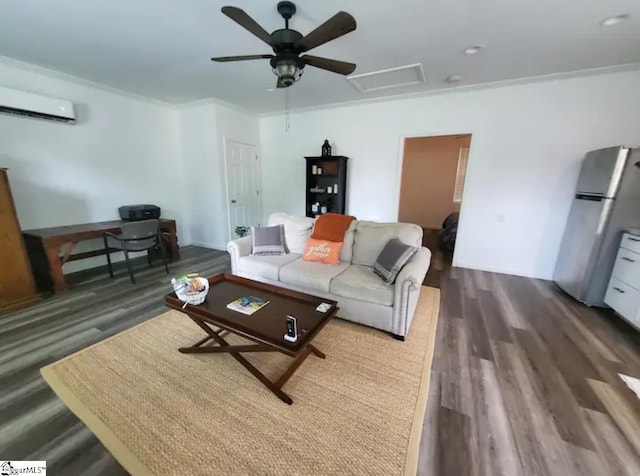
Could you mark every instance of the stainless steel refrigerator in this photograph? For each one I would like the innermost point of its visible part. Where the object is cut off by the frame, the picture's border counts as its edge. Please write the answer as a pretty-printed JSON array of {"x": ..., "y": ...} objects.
[{"x": 607, "y": 200}]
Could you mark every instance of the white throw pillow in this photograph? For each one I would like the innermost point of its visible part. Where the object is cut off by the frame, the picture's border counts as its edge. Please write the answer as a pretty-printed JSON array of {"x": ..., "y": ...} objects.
[
  {"x": 297, "y": 231},
  {"x": 277, "y": 218}
]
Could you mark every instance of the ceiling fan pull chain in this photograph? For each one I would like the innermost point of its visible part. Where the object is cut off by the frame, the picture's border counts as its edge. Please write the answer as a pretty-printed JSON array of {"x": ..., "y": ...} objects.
[{"x": 287, "y": 124}]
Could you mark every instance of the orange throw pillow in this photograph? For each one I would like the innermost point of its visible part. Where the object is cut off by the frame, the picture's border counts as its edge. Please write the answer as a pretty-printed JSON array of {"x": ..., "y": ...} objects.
[
  {"x": 322, "y": 251},
  {"x": 331, "y": 227}
]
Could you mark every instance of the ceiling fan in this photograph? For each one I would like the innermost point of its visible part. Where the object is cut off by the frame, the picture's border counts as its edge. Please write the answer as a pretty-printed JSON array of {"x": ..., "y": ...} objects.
[{"x": 288, "y": 44}]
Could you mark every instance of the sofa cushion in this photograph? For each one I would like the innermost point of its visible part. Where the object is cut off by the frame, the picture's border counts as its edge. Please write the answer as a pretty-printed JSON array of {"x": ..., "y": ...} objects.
[
  {"x": 297, "y": 230},
  {"x": 311, "y": 275},
  {"x": 277, "y": 218},
  {"x": 361, "y": 283},
  {"x": 265, "y": 266},
  {"x": 371, "y": 238},
  {"x": 346, "y": 254}
]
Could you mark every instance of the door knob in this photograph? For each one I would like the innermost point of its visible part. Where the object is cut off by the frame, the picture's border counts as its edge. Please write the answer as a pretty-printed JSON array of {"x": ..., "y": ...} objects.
[{"x": 233, "y": 201}]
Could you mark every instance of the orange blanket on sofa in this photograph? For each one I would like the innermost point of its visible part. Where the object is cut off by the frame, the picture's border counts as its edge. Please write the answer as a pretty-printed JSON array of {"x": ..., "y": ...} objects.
[{"x": 331, "y": 227}]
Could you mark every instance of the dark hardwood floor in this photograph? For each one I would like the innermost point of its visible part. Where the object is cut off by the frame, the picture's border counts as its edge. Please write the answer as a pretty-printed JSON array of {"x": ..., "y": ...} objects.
[
  {"x": 524, "y": 381},
  {"x": 34, "y": 423},
  {"x": 441, "y": 259}
]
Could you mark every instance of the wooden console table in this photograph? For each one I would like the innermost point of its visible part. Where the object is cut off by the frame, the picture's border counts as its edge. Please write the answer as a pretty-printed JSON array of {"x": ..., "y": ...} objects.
[{"x": 43, "y": 246}]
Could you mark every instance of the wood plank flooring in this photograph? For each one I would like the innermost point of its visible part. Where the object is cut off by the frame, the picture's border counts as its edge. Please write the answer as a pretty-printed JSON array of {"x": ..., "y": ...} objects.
[
  {"x": 524, "y": 382},
  {"x": 34, "y": 423},
  {"x": 440, "y": 258}
]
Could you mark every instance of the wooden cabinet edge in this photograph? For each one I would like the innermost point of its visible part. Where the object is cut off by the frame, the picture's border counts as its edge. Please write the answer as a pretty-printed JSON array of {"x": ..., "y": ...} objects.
[
  {"x": 30, "y": 295},
  {"x": 17, "y": 305}
]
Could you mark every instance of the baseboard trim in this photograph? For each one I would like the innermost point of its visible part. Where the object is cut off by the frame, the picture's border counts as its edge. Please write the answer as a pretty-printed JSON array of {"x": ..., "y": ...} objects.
[
  {"x": 500, "y": 271},
  {"x": 211, "y": 246}
]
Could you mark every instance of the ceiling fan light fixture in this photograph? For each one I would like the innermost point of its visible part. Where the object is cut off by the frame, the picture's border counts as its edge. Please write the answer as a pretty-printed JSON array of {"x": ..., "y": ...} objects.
[
  {"x": 288, "y": 72},
  {"x": 288, "y": 44}
]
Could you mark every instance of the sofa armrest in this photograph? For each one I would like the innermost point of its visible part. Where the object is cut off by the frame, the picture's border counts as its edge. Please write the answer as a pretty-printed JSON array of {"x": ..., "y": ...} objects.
[
  {"x": 407, "y": 291},
  {"x": 416, "y": 269},
  {"x": 237, "y": 249}
]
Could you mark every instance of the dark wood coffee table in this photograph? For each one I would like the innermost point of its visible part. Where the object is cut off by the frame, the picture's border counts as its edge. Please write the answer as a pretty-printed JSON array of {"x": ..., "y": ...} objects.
[{"x": 266, "y": 327}]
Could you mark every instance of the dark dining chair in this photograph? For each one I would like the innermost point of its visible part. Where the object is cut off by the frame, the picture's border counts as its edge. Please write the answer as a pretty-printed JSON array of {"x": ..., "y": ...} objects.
[{"x": 135, "y": 236}]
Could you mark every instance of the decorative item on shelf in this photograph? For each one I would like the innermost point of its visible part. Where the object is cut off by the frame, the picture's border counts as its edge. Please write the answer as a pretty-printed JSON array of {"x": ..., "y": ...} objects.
[
  {"x": 319, "y": 170},
  {"x": 323, "y": 209},
  {"x": 315, "y": 207},
  {"x": 242, "y": 231},
  {"x": 335, "y": 189},
  {"x": 326, "y": 148},
  {"x": 317, "y": 190},
  {"x": 330, "y": 167},
  {"x": 314, "y": 170},
  {"x": 329, "y": 189}
]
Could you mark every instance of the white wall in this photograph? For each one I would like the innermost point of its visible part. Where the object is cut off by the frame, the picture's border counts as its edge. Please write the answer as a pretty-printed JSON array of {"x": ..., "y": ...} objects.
[
  {"x": 203, "y": 130},
  {"x": 527, "y": 144},
  {"x": 120, "y": 151},
  {"x": 526, "y": 147},
  {"x": 199, "y": 158}
]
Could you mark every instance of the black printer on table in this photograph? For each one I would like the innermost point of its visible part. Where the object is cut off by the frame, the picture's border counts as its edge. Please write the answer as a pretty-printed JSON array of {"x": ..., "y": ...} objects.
[{"x": 139, "y": 212}]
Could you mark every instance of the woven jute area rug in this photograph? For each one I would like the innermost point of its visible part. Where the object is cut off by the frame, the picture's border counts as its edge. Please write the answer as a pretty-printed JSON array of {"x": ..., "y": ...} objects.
[{"x": 359, "y": 412}]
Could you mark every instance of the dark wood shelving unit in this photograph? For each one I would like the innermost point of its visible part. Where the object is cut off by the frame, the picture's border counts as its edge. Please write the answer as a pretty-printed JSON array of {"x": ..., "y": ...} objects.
[{"x": 334, "y": 172}]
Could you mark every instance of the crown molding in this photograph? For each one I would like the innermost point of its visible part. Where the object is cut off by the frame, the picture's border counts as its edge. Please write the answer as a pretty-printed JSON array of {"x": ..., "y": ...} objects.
[
  {"x": 33, "y": 68},
  {"x": 213, "y": 101},
  {"x": 468, "y": 88}
]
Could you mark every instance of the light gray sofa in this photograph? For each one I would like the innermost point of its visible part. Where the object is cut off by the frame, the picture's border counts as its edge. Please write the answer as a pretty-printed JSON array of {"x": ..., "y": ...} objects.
[{"x": 362, "y": 295}]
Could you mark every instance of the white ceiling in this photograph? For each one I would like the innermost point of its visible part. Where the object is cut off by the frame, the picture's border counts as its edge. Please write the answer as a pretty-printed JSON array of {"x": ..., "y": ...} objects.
[{"x": 161, "y": 48}]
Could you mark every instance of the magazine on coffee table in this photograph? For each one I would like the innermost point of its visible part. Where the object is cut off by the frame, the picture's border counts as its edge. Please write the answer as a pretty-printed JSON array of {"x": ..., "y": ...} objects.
[{"x": 247, "y": 305}]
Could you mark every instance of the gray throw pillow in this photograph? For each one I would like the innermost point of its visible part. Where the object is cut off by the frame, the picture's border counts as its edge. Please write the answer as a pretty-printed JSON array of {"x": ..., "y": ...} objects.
[
  {"x": 269, "y": 241},
  {"x": 392, "y": 259}
]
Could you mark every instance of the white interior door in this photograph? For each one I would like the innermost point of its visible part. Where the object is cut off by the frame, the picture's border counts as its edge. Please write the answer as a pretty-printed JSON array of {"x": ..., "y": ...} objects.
[{"x": 243, "y": 185}]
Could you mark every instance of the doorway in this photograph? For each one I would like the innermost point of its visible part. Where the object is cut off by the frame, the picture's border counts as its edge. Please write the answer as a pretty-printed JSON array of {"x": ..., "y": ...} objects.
[
  {"x": 431, "y": 190},
  {"x": 243, "y": 185}
]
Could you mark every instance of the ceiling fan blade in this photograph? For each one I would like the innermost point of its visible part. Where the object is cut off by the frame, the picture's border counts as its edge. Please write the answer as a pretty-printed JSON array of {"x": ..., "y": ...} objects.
[
  {"x": 280, "y": 84},
  {"x": 336, "y": 26},
  {"x": 335, "y": 66},
  {"x": 224, "y": 59},
  {"x": 244, "y": 20}
]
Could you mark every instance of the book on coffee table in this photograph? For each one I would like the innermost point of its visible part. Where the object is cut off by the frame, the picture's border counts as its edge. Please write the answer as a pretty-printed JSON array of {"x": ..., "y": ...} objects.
[{"x": 247, "y": 305}]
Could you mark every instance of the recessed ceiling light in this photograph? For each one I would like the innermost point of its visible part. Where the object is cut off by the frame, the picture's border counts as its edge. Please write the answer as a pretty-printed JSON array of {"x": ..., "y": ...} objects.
[
  {"x": 614, "y": 20},
  {"x": 472, "y": 50},
  {"x": 454, "y": 78}
]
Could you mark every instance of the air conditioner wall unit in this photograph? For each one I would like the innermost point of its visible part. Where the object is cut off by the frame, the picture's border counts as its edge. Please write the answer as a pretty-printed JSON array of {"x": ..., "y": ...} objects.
[{"x": 22, "y": 103}]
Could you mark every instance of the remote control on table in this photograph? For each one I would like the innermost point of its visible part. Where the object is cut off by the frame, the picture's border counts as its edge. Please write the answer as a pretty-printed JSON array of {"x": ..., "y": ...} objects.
[{"x": 292, "y": 329}]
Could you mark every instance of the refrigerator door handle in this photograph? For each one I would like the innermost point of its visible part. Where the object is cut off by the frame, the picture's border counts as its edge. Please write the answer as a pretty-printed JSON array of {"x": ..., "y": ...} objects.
[{"x": 590, "y": 197}]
